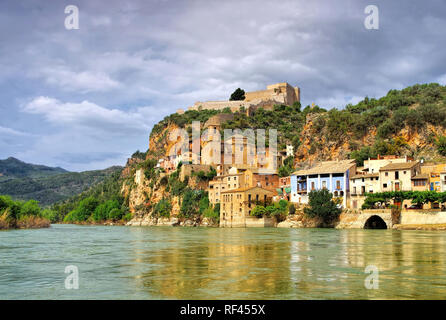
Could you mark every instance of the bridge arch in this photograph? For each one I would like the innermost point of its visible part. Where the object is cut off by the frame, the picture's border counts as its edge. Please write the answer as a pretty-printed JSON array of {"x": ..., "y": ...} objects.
[{"x": 375, "y": 222}]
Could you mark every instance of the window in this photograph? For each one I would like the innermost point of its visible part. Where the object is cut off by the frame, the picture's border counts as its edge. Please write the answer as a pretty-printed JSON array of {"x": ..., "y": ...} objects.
[
  {"x": 419, "y": 183},
  {"x": 387, "y": 174},
  {"x": 397, "y": 174},
  {"x": 385, "y": 185},
  {"x": 354, "y": 190}
]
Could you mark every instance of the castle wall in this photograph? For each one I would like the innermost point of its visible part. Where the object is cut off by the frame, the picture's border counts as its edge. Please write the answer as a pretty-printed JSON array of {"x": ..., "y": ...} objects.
[{"x": 279, "y": 93}]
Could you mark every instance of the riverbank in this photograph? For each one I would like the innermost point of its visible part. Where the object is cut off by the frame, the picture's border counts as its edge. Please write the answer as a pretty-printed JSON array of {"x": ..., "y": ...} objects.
[
  {"x": 29, "y": 222},
  {"x": 428, "y": 227},
  {"x": 97, "y": 223}
]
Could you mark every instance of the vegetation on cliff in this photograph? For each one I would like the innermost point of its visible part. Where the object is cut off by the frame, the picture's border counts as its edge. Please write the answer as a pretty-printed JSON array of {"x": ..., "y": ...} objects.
[
  {"x": 102, "y": 202},
  {"x": 23, "y": 215},
  {"x": 23, "y": 181}
]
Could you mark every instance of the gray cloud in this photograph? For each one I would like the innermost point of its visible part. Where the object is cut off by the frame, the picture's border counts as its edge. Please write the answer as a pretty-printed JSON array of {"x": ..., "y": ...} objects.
[{"x": 102, "y": 87}]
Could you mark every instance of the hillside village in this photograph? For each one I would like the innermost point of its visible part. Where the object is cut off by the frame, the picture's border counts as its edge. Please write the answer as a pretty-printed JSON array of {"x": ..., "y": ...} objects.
[{"x": 234, "y": 189}]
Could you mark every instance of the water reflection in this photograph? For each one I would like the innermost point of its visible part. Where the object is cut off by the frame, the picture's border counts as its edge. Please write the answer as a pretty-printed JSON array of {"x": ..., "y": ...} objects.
[
  {"x": 200, "y": 263},
  {"x": 296, "y": 264}
]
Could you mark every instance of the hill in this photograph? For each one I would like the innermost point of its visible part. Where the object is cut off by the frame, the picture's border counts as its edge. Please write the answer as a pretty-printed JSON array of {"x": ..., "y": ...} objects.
[
  {"x": 411, "y": 122},
  {"x": 47, "y": 185},
  {"x": 13, "y": 168}
]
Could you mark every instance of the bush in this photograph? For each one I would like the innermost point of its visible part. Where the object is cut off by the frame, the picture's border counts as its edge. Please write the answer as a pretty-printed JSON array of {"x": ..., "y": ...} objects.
[
  {"x": 292, "y": 209},
  {"x": 441, "y": 145},
  {"x": 321, "y": 204},
  {"x": 258, "y": 211},
  {"x": 163, "y": 208},
  {"x": 115, "y": 214},
  {"x": 30, "y": 208}
]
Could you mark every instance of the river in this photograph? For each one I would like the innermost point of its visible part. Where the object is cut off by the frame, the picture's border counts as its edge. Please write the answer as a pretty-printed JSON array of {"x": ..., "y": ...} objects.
[{"x": 118, "y": 262}]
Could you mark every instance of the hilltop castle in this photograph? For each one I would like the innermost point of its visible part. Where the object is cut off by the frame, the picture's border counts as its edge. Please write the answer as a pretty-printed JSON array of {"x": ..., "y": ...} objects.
[{"x": 279, "y": 93}]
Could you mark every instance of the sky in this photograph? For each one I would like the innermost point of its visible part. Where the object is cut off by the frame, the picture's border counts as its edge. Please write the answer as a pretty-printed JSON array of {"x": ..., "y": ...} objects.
[{"x": 87, "y": 98}]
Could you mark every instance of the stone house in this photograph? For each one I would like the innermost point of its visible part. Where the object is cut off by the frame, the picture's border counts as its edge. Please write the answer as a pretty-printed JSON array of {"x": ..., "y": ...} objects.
[
  {"x": 236, "y": 206},
  {"x": 331, "y": 175}
]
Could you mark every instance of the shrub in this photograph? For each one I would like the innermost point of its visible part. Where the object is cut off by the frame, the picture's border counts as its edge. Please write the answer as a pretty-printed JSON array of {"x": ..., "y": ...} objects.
[
  {"x": 292, "y": 209},
  {"x": 115, "y": 214},
  {"x": 30, "y": 208},
  {"x": 441, "y": 145},
  {"x": 321, "y": 204},
  {"x": 163, "y": 208},
  {"x": 258, "y": 211}
]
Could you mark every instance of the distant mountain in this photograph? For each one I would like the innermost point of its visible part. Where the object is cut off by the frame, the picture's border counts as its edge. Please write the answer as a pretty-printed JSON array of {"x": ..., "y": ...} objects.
[
  {"x": 13, "y": 168},
  {"x": 24, "y": 181}
]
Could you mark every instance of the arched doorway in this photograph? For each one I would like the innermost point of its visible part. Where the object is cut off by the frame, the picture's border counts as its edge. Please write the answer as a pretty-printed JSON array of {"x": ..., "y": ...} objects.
[{"x": 375, "y": 222}]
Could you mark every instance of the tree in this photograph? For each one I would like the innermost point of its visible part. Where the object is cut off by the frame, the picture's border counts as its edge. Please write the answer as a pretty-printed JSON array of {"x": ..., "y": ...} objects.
[
  {"x": 237, "y": 95},
  {"x": 115, "y": 214},
  {"x": 322, "y": 205},
  {"x": 30, "y": 208},
  {"x": 441, "y": 145},
  {"x": 163, "y": 208},
  {"x": 258, "y": 211}
]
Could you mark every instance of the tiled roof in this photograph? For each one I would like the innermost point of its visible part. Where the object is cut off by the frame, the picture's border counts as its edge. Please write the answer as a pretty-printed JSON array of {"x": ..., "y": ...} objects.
[
  {"x": 246, "y": 189},
  {"x": 328, "y": 167},
  {"x": 422, "y": 176},
  {"x": 367, "y": 175},
  {"x": 399, "y": 166}
]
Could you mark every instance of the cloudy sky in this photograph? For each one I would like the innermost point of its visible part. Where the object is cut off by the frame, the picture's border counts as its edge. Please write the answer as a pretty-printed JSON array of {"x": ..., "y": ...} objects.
[{"x": 87, "y": 99}]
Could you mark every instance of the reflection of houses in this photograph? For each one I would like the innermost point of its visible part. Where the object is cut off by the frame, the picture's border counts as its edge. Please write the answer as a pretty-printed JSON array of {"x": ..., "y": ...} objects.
[
  {"x": 331, "y": 175},
  {"x": 236, "y": 206}
]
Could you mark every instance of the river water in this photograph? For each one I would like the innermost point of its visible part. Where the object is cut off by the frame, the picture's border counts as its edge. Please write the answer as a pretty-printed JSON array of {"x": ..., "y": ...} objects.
[{"x": 211, "y": 263}]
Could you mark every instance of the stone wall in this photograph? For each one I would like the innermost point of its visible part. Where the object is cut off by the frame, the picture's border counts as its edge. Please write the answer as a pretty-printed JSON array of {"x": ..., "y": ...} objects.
[
  {"x": 422, "y": 217},
  {"x": 187, "y": 169}
]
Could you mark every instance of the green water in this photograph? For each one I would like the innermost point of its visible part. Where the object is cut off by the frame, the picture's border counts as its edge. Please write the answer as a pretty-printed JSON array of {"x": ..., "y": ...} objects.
[{"x": 212, "y": 263}]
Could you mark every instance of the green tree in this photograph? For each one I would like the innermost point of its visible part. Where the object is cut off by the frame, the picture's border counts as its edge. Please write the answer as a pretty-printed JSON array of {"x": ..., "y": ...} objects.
[
  {"x": 115, "y": 214},
  {"x": 441, "y": 145},
  {"x": 163, "y": 208},
  {"x": 237, "y": 95},
  {"x": 321, "y": 204},
  {"x": 30, "y": 208},
  {"x": 258, "y": 211}
]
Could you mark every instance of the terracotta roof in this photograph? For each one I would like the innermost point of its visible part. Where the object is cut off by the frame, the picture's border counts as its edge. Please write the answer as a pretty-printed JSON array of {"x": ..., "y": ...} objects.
[
  {"x": 367, "y": 175},
  {"x": 328, "y": 167},
  {"x": 399, "y": 166},
  {"x": 246, "y": 189},
  {"x": 422, "y": 176}
]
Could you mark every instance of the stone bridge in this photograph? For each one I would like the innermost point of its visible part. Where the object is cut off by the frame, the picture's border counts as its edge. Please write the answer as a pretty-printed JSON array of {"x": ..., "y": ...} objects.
[{"x": 368, "y": 219}]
